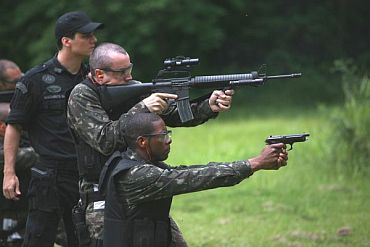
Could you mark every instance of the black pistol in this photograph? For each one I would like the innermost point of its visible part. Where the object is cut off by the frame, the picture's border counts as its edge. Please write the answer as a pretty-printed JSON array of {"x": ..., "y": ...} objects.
[{"x": 287, "y": 139}]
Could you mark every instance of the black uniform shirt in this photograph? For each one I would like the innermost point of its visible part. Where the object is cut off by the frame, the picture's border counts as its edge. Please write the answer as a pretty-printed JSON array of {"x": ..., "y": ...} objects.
[{"x": 39, "y": 106}]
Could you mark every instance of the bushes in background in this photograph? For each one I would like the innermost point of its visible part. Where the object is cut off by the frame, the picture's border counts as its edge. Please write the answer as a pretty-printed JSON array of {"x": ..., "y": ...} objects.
[{"x": 351, "y": 121}]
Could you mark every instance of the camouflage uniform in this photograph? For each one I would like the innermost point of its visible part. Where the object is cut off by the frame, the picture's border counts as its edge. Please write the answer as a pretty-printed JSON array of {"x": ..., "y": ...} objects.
[
  {"x": 87, "y": 118},
  {"x": 149, "y": 182},
  {"x": 144, "y": 184},
  {"x": 11, "y": 211}
]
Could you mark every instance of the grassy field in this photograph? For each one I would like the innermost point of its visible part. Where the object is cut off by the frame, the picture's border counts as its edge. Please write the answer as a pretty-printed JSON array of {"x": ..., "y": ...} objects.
[{"x": 311, "y": 202}]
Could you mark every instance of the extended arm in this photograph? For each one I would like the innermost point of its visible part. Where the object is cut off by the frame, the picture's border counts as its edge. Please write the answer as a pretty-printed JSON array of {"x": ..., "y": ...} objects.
[
  {"x": 157, "y": 183},
  {"x": 148, "y": 182}
]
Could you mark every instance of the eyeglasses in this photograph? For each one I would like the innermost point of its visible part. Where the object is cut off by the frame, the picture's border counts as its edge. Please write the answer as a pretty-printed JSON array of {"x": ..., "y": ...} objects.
[
  {"x": 122, "y": 72},
  {"x": 164, "y": 136}
]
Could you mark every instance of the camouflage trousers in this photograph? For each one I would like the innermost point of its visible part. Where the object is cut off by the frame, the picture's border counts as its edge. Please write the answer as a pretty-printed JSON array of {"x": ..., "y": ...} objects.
[{"x": 95, "y": 219}]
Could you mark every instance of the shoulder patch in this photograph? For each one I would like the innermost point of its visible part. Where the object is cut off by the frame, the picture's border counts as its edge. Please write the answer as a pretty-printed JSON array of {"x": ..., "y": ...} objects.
[
  {"x": 47, "y": 78},
  {"x": 54, "y": 89},
  {"x": 58, "y": 70},
  {"x": 21, "y": 87}
]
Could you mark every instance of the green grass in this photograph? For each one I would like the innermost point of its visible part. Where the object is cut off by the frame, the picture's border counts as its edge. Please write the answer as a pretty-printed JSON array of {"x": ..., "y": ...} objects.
[{"x": 307, "y": 203}]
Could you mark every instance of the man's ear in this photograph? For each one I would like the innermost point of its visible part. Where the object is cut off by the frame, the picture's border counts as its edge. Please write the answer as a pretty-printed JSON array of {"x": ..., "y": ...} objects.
[
  {"x": 141, "y": 141},
  {"x": 99, "y": 75},
  {"x": 66, "y": 41}
]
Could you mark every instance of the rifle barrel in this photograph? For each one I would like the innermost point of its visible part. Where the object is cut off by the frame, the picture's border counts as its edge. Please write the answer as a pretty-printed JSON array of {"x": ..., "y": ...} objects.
[{"x": 295, "y": 75}]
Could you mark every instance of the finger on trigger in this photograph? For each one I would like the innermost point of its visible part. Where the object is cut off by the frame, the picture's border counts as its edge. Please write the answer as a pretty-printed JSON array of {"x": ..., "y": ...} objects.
[
  {"x": 222, "y": 106},
  {"x": 167, "y": 95}
]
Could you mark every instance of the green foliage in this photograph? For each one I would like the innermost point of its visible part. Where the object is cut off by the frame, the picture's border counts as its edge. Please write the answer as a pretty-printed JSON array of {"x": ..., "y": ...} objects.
[
  {"x": 351, "y": 122},
  {"x": 228, "y": 36},
  {"x": 307, "y": 203}
]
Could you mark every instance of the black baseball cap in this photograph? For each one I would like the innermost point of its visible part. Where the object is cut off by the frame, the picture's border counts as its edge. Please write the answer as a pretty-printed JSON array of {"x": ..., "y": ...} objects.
[{"x": 73, "y": 22}]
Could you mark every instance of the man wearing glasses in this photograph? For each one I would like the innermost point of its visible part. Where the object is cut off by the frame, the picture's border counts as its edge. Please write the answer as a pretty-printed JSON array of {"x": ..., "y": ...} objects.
[
  {"x": 96, "y": 131},
  {"x": 139, "y": 186}
]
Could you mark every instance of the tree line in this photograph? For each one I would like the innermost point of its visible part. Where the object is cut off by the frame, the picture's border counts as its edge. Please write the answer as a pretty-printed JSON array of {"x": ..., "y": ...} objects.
[{"x": 227, "y": 36}]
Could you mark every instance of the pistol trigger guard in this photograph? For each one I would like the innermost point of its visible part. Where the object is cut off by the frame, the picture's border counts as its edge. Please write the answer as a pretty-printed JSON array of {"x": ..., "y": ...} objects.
[{"x": 291, "y": 147}]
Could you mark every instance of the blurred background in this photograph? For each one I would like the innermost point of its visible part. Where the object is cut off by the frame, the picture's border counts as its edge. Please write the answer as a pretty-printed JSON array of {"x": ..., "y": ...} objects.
[
  {"x": 321, "y": 199},
  {"x": 227, "y": 36}
]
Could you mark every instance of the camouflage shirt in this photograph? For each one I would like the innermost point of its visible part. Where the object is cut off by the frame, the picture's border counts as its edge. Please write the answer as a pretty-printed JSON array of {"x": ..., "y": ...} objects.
[
  {"x": 90, "y": 121},
  {"x": 148, "y": 182}
]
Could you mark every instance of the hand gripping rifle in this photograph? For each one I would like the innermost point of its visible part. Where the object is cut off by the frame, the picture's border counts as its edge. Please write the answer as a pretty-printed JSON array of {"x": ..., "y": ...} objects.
[{"x": 175, "y": 78}]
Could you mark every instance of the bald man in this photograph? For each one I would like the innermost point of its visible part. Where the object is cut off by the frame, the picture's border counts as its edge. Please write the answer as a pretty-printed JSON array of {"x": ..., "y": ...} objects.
[{"x": 10, "y": 74}]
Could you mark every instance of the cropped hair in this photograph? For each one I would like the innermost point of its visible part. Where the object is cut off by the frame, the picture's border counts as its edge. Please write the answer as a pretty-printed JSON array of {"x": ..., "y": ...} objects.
[
  {"x": 139, "y": 124},
  {"x": 4, "y": 65},
  {"x": 101, "y": 57},
  {"x": 59, "y": 40}
]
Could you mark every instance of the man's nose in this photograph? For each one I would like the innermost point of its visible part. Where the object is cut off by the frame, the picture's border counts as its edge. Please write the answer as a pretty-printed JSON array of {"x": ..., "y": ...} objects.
[
  {"x": 128, "y": 77},
  {"x": 169, "y": 140}
]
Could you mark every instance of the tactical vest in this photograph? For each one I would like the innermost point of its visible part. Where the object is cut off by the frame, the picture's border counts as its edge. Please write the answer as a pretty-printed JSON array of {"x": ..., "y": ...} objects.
[
  {"x": 89, "y": 160},
  {"x": 147, "y": 226}
]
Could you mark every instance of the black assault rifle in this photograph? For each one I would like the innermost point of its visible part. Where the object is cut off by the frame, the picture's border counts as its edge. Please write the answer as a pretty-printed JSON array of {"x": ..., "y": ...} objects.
[{"x": 175, "y": 78}]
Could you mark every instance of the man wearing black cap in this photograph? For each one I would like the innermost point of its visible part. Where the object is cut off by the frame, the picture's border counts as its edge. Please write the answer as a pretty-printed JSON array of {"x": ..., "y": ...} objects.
[{"x": 38, "y": 106}]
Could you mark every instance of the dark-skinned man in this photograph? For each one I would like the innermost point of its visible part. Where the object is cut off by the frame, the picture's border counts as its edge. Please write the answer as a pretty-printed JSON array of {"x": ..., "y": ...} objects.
[{"x": 139, "y": 186}]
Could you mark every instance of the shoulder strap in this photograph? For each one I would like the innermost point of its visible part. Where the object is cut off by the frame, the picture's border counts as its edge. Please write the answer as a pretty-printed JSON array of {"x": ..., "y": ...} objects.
[
  {"x": 49, "y": 62},
  {"x": 107, "y": 169},
  {"x": 91, "y": 85}
]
